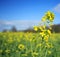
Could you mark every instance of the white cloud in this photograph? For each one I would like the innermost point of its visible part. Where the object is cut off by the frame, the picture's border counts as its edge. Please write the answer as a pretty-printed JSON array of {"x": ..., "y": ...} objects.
[
  {"x": 3, "y": 22},
  {"x": 20, "y": 24},
  {"x": 57, "y": 8}
]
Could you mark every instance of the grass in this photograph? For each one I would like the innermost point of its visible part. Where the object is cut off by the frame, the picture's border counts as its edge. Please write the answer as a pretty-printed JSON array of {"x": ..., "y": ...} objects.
[{"x": 56, "y": 40}]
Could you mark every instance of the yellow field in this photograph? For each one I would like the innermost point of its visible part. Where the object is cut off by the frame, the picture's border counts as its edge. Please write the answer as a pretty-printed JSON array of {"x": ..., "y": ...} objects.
[{"x": 19, "y": 44}]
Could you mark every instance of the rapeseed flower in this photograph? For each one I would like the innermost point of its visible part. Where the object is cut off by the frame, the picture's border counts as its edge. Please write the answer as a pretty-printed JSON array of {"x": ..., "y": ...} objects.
[
  {"x": 35, "y": 28},
  {"x": 46, "y": 38},
  {"x": 42, "y": 34},
  {"x": 41, "y": 28},
  {"x": 49, "y": 32},
  {"x": 44, "y": 18},
  {"x": 21, "y": 46},
  {"x": 48, "y": 16}
]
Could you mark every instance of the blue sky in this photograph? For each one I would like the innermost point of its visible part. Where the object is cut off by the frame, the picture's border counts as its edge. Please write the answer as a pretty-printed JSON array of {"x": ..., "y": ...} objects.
[{"x": 26, "y": 13}]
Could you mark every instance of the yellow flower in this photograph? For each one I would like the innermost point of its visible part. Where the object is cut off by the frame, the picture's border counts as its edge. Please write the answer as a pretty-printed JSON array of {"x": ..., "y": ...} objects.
[
  {"x": 51, "y": 19},
  {"x": 50, "y": 16},
  {"x": 35, "y": 28},
  {"x": 49, "y": 32},
  {"x": 46, "y": 38},
  {"x": 48, "y": 13},
  {"x": 42, "y": 28},
  {"x": 21, "y": 47},
  {"x": 42, "y": 34},
  {"x": 44, "y": 18}
]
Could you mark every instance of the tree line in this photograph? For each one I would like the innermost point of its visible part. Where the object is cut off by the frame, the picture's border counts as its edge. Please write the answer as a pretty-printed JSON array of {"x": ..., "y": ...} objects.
[{"x": 55, "y": 28}]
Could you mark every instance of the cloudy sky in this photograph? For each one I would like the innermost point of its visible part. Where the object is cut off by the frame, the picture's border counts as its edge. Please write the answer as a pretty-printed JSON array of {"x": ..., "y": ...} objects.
[{"x": 26, "y": 13}]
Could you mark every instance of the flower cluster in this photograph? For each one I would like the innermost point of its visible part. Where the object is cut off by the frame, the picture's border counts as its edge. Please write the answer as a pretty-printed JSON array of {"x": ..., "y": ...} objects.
[
  {"x": 45, "y": 32},
  {"x": 48, "y": 16},
  {"x": 21, "y": 47}
]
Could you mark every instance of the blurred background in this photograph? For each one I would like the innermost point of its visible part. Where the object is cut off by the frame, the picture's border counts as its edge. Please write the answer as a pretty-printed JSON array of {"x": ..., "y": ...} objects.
[{"x": 22, "y": 15}]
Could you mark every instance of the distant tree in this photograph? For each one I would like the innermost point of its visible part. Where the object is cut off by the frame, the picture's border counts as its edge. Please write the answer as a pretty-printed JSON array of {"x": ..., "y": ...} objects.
[
  {"x": 14, "y": 29},
  {"x": 56, "y": 28},
  {"x": 5, "y": 30}
]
